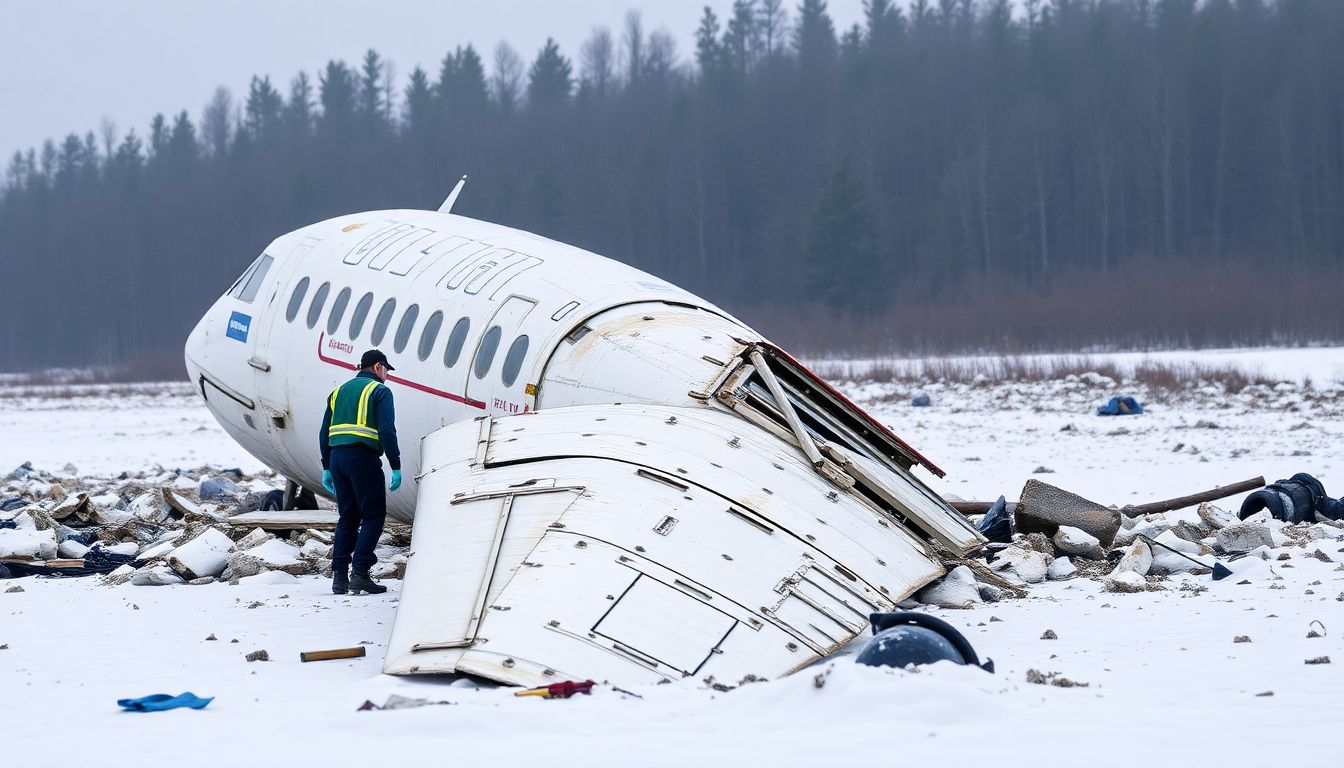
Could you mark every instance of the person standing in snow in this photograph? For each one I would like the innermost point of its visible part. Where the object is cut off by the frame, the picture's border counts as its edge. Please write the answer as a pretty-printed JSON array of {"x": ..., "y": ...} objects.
[{"x": 358, "y": 428}]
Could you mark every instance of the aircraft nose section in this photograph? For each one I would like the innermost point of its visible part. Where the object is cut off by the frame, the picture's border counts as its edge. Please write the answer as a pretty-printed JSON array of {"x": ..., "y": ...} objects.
[{"x": 196, "y": 347}]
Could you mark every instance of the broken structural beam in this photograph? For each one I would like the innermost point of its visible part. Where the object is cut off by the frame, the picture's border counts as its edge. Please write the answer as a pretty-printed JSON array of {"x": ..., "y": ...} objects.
[
  {"x": 978, "y": 507},
  {"x": 335, "y": 653},
  {"x": 1134, "y": 510},
  {"x": 1221, "y": 492}
]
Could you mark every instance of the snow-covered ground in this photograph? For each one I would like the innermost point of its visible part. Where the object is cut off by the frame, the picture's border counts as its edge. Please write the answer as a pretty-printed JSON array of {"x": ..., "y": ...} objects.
[{"x": 1166, "y": 684}]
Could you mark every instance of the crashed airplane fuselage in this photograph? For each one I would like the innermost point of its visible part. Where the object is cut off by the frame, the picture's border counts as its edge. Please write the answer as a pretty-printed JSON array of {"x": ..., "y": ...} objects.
[{"x": 616, "y": 480}]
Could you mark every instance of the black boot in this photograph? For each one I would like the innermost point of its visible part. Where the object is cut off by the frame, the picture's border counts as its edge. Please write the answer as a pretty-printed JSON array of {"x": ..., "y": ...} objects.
[
  {"x": 362, "y": 582},
  {"x": 340, "y": 581}
]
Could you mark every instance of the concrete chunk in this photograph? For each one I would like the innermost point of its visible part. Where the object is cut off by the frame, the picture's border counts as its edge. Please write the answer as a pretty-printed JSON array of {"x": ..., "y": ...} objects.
[
  {"x": 1044, "y": 508},
  {"x": 1243, "y": 537}
]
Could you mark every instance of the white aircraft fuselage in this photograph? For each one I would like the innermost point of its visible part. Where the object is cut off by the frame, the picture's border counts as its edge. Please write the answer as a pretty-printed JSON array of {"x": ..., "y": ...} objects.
[
  {"x": 469, "y": 313},
  {"x": 617, "y": 479}
]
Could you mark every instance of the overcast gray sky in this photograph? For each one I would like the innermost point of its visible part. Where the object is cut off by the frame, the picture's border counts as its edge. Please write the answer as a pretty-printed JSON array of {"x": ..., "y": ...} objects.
[{"x": 66, "y": 64}]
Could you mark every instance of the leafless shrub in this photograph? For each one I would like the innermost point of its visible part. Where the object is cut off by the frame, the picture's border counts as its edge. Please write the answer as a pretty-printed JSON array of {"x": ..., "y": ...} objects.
[
  {"x": 1154, "y": 375},
  {"x": 1151, "y": 307}
]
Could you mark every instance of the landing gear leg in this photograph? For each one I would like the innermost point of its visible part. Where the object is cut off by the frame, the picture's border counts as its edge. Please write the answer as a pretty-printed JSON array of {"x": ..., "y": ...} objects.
[{"x": 298, "y": 497}]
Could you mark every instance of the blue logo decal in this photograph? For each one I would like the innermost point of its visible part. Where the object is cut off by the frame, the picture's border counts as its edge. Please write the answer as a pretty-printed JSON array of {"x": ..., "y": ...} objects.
[{"x": 239, "y": 325}]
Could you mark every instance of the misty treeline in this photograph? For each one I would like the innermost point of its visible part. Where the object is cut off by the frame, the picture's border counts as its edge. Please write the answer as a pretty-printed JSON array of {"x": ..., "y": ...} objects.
[{"x": 947, "y": 174}]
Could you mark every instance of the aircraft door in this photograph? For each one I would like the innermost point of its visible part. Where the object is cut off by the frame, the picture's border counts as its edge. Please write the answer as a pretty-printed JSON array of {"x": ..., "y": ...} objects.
[
  {"x": 497, "y": 376},
  {"x": 268, "y": 354}
]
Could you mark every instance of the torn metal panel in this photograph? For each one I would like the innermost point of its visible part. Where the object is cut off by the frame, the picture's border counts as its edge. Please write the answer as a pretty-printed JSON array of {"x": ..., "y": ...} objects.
[{"x": 637, "y": 543}]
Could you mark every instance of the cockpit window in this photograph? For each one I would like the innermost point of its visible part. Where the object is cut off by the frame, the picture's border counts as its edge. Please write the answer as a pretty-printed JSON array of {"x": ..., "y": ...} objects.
[{"x": 247, "y": 286}]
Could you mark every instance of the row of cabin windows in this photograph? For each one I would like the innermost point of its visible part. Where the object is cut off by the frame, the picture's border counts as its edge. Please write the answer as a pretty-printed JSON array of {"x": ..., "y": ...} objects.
[{"x": 457, "y": 337}]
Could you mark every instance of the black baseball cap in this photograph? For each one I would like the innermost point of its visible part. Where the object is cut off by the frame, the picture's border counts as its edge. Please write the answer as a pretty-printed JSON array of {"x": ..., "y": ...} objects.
[{"x": 374, "y": 356}]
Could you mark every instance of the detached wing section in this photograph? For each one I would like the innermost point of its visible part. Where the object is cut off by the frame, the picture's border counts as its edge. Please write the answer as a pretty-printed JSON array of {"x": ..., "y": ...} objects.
[{"x": 640, "y": 542}]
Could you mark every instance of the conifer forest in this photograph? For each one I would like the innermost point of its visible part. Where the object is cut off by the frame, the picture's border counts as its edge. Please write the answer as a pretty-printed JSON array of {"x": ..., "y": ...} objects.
[{"x": 948, "y": 175}]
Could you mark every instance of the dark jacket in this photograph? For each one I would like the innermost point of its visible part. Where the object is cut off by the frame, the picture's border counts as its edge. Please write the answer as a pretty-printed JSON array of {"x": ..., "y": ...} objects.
[{"x": 384, "y": 416}]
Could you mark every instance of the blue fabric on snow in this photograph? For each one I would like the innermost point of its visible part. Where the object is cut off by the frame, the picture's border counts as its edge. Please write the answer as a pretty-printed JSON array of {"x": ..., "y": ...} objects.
[
  {"x": 1120, "y": 406},
  {"x": 8, "y": 524},
  {"x": 159, "y": 702}
]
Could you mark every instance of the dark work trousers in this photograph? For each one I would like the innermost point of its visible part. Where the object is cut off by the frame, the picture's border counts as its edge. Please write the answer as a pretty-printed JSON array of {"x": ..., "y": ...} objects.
[{"x": 357, "y": 473}]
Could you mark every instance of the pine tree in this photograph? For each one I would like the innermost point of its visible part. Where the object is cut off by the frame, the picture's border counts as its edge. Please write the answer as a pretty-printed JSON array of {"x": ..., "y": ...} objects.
[
  {"x": 262, "y": 112},
  {"x": 371, "y": 98},
  {"x": 845, "y": 269},
  {"x": 337, "y": 95},
  {"x": 549, "y": 81}
]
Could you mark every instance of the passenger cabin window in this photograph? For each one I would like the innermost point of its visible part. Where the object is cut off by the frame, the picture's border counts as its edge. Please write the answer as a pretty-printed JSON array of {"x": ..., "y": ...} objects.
[
  {"x": 361, "y": 314},
  {"x": 296, "y": 300},
  {"x": 246, "y": 288},
  {"x": 456, "y": 340},
  {"x": 485, "y": 355},
  {"x": 429, "y": 335},
  {"x": 513, "y": 361},
  {"x": 338, "y": 311},
  {"x": 404, "y": 330},
  {"x": 381, "y": 322},
  {"x": 315, "y": 309}
]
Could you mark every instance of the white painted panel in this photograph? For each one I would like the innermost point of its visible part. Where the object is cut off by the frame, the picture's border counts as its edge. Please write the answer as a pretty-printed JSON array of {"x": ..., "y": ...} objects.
[
  {"x": 568, "y": 555},
  {"x": 665, "y": 624}
]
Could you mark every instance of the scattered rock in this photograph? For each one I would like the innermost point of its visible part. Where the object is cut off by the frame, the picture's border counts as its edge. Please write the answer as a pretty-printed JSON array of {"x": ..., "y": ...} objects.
[
  {"x": 958, "y": 589},
  {"x": 27, "y": 542},
  {"x": 1060, "y": 569},
  {"x": 1072, "y": 541},
  {"x": 258, "y": 655},
  {"x": 155, "y": 576},
  {"x": 1049, "y": 634},
  {"x": 212, "y": 637},
  {"x": 1028, "y": 565},
  {"x": 1242, "y": 639},
  {"x": 219, "y": 489},
  {"x": 1124, "y": 581},
  {"x": 1037, "y": 677},
  {"x": 1043, "y": 470},
  {"x": 1318, "y": 660},
  {"x": 1243, "y": 537},
  {"x": 14, "y": 589},
  {"x": 204, "y": 555},
  {"x": 1138, "y": 559}
]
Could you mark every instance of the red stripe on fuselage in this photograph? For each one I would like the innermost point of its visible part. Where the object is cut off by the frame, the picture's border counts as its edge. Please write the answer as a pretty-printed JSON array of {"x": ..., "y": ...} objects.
[{"x": 406, "y": 382}]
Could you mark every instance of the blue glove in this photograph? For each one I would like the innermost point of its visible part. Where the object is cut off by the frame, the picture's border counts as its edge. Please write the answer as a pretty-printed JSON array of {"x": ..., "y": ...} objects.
[
  {"x": 396, "y": 480},
  {"x": 328, "y": 483}
]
